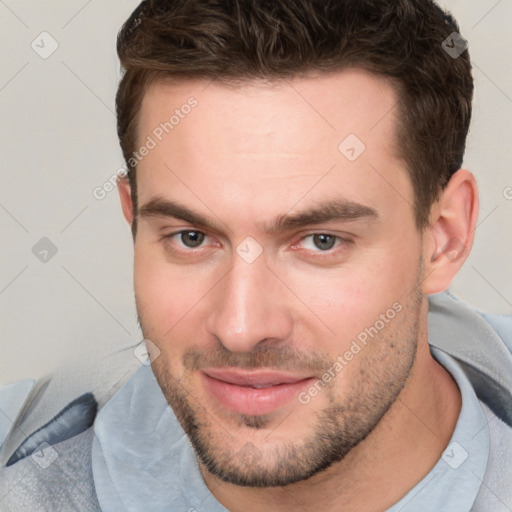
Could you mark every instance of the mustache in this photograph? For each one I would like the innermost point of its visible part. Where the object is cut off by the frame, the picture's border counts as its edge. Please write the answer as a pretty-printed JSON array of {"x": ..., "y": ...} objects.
[{"x": 276, "y": 357}]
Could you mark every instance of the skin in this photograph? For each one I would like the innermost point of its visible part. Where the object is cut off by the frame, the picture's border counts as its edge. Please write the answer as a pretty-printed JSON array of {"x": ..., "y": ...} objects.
[{"x": 243, "y": 157}]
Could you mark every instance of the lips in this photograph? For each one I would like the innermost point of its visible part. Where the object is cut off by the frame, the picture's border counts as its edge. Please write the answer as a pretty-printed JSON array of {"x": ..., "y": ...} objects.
[{"x": 253, "y": 392}]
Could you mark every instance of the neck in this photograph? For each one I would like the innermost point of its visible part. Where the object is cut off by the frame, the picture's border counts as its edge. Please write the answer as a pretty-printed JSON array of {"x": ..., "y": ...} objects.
[{"x": 380, "y": 470}]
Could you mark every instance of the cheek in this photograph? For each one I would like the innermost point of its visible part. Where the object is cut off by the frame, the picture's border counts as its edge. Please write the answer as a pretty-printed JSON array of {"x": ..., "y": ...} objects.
[
  {"x": 165, "y": 294},
  {"x": 351, "y": 298}
]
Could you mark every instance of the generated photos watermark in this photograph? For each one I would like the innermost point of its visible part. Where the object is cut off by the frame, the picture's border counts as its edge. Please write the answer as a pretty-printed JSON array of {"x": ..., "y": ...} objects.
[
  {"x": 151, "y": 142},
  {"x": 344, "y": 359}
]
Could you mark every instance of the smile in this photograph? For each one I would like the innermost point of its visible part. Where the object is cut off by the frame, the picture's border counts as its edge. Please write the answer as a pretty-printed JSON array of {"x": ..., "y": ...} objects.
[{"x": 253, "y": 392}]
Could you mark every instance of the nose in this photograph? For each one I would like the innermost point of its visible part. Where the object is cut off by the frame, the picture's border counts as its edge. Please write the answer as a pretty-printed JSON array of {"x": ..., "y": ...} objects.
[{"x": 249, "y": 306}]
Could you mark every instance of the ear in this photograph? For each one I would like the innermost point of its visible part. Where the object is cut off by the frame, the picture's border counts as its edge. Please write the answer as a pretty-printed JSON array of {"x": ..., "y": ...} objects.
[
  {"x": 124, "y": 189},
  {"x": 449, "y": 237}
]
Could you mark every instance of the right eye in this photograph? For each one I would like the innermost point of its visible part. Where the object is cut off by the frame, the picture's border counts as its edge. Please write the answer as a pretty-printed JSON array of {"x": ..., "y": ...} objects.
[
  {"x": 190, "y": 239},
  {"x": 189, "y": 242}
]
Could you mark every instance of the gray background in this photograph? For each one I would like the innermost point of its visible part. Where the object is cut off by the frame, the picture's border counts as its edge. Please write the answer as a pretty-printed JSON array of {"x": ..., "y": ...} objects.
[{"x": 58, "y": 143}]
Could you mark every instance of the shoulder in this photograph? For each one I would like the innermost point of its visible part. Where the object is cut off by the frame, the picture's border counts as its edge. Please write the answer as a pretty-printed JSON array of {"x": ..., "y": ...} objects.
[
  {"x": 57, "y": 478},
  {"x": 46, "y": 449},
  {"x": 60, "y": 406},
  {"x": 481, "y": 344},
  {"x": 448, "y": 311}
]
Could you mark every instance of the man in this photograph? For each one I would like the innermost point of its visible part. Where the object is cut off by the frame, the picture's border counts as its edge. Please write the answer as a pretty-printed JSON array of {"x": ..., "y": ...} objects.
[{"x": 295, "y": 193}]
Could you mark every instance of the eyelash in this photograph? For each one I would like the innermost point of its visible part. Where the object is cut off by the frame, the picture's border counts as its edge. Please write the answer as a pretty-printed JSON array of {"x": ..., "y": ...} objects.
[{"x": 340, "y": 241}]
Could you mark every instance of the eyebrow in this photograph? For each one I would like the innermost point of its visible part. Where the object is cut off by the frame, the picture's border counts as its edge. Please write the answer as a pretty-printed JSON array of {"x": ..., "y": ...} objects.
[{"x": 340, "y": 210}]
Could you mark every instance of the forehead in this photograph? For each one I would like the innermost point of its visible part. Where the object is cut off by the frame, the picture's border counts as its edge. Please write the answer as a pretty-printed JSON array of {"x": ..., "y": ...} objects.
[
  {"x": 280, "y": 138},
  {"x": 351, "y": 101}
]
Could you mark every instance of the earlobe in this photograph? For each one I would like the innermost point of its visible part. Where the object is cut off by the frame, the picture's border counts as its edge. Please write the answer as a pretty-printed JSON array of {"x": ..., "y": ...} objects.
[
  {"x": 449, "y": 237},
  {"x": 124, "y": 189}
]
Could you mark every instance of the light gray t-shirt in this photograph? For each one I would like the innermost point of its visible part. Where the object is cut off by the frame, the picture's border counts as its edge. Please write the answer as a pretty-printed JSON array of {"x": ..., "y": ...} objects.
[{"x": 151, "y": 465}]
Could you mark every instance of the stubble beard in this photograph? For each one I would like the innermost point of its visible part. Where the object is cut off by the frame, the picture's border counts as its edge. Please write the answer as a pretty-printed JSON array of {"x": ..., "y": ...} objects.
[{"x": 346, "y": 420}]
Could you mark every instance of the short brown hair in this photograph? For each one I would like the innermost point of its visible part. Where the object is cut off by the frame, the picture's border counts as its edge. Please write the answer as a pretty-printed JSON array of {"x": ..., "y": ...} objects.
[{"x": 231, "y": 40}]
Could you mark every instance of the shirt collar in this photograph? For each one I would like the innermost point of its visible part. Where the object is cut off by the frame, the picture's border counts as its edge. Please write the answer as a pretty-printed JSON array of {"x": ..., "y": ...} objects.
[{"x": 454, "y": 482}]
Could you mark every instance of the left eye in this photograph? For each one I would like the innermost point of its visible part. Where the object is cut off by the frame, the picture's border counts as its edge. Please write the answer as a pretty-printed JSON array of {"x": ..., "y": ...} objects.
[{"x": 321, "y": 241}]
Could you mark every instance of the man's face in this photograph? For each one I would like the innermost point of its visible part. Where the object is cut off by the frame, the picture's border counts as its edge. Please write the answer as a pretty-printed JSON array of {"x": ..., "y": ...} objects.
[{"x": 282, "y": 288}]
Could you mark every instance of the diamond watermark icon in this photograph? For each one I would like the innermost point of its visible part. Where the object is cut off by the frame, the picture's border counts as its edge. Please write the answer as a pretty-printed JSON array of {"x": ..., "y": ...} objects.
[
  {"x": 44, "y": 45},
  {"x": 44, "y": 250},
  {"x": 454, "y": 249},
  {"x": 352, "y": 147},
  {"x": 146, "y": 352},
  {"x": 44, "y": 455},
  {"x": 454, "y": 45},
  {"x": 248, "y": 455},
  {"x": 455, "y": 455},
  {"x": 249, "y": 250}
]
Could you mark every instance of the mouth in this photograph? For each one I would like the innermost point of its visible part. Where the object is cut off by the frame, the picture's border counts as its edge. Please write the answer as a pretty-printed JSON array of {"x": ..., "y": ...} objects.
[{"x": 255, "y": 392}]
